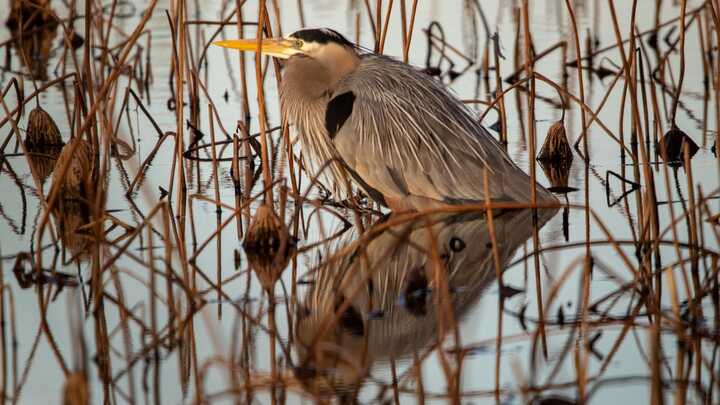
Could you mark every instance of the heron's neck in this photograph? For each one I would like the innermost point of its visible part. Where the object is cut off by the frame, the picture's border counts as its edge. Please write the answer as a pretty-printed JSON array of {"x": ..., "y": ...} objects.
[
  {"x": 310, "y": 78},
  {"x": 304, "y": 79},
  {"x": 339, "y": 61}
]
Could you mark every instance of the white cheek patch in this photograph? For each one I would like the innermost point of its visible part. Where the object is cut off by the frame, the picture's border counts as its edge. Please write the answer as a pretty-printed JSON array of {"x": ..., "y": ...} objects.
[{"x": 311, "y": 48}]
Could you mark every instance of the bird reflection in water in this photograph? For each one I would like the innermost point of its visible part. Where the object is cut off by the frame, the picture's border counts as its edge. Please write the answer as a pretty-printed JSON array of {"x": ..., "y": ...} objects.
[{"x": 385, "y": 294}]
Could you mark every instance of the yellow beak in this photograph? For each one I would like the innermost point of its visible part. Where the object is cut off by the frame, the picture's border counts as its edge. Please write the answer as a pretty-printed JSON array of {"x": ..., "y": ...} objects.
[{"x": 278, "y": 47}]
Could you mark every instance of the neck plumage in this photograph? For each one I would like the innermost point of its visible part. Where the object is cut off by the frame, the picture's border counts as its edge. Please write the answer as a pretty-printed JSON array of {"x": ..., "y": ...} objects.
[{"x": 307, "y": 86}]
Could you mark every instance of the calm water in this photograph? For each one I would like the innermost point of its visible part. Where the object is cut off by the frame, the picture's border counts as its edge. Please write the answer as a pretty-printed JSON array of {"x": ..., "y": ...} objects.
[{"x": 404, "y": 319}]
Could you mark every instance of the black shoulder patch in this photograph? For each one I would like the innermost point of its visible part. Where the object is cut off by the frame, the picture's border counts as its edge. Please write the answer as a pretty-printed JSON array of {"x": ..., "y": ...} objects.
[
  {"x": 351, "y": 320},
  {"x": 416, "y": 291},
  {"x": 338, "y": 111}
]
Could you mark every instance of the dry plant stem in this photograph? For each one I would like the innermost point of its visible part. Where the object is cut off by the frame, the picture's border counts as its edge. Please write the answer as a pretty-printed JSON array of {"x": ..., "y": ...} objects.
[
  {"x": 244, "y": 127},
  {"x": 403, "y": 31},
  {"x": 241, "y": 56},
  {"x": 652, "y": 252},
  {"x": 3, "y": 337},
  {"x": 582, "y": 359},
  {"x": 499, "y": 276},
  {"x": 266, "y": 169},
  {"x": 499, "y": 95},
  {"x": 694, "y": 264},
  {"x": 236, "y": 182},
  {"x": 393, "y": 370},
  {"x": 713, "y": 11},
  {"x": 378, "y": 23},
  {"x": 301, "y": 12},
  {"x": 124, "y": 325},
  {"x": 446, "y": 318},
  {"x": 529, "y": 72},
  {"x": 373, "y": 26},
  {"x": 148, "y": 160},
  {"x": 386, "y": 25},
  {"x": 153, "y": 317},
  {"x": 681, "y": 77},
  {"x": 218, "y": 210},
  {"x": 407, "y": 39},
  {"x": 285, "y": 138},
  {"x": 707, "y": 74},
  {"x": 273, "y": 354},
  {"x": 417, "y": 370},
  {"x": 13, "y": 334},
  {"x": 179, "y": 49},
  {"x": 87, "y": 79},
  {"x": 635, "y": 167}
]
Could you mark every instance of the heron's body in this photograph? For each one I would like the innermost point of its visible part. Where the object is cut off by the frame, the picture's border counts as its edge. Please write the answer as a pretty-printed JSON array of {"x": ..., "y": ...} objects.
[{"x": 391, "y": 129}]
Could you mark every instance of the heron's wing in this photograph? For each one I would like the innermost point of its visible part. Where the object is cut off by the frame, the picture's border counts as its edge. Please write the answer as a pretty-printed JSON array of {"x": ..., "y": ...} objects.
[{"x": 406, "y": 135}]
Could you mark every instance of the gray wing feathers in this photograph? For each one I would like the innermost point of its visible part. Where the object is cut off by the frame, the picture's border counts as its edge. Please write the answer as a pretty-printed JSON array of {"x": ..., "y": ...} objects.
[{"x": 407, "y": 128}]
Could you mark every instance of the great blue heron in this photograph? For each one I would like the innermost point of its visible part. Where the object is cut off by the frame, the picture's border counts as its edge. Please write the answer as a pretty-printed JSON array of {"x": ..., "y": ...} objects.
[{"x": 399, "y": 133}]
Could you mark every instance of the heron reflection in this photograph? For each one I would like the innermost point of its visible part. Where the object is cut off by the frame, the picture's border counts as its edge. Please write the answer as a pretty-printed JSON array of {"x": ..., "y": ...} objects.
[{"x": 377, "y": 302}]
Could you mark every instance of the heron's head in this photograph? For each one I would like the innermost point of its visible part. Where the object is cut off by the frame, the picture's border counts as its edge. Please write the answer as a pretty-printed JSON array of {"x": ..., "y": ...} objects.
[
  {"x": 315, "y": 43},
  {"x": 323, "y": 45}
]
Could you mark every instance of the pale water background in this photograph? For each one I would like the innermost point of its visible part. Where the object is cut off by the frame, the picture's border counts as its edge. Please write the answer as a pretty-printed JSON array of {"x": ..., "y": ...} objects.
[{"x": 549, "y": 24}]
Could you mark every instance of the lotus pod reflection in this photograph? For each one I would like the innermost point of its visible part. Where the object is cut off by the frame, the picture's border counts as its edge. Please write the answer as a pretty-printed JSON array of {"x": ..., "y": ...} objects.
[
  {"x": 34, "y": 27},
  {"x": 72, "y": 217},
  {"x": 75, "y": 187},
  {"x": 268, "y": 246},
  {"x": 558, "y": 173},
  {"x": 76, "y": 181}
]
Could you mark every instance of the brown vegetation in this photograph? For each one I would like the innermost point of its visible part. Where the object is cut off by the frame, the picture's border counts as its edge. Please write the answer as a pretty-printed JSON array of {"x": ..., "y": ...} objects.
[{"x": 173, "y": 205}]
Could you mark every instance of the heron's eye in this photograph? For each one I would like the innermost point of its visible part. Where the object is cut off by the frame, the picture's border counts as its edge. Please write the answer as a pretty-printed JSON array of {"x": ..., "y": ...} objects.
[{"x": 298, "y": 44}]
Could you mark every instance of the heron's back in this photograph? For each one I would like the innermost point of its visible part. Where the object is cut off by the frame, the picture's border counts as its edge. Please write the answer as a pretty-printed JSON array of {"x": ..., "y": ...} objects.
[{"x": 409, "y": 136}]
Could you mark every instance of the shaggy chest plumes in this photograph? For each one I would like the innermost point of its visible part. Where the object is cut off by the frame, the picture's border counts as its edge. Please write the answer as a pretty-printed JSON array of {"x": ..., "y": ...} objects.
[
  {"x": 305, "y": 92},
  {"x": 318, "y": 150}
]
